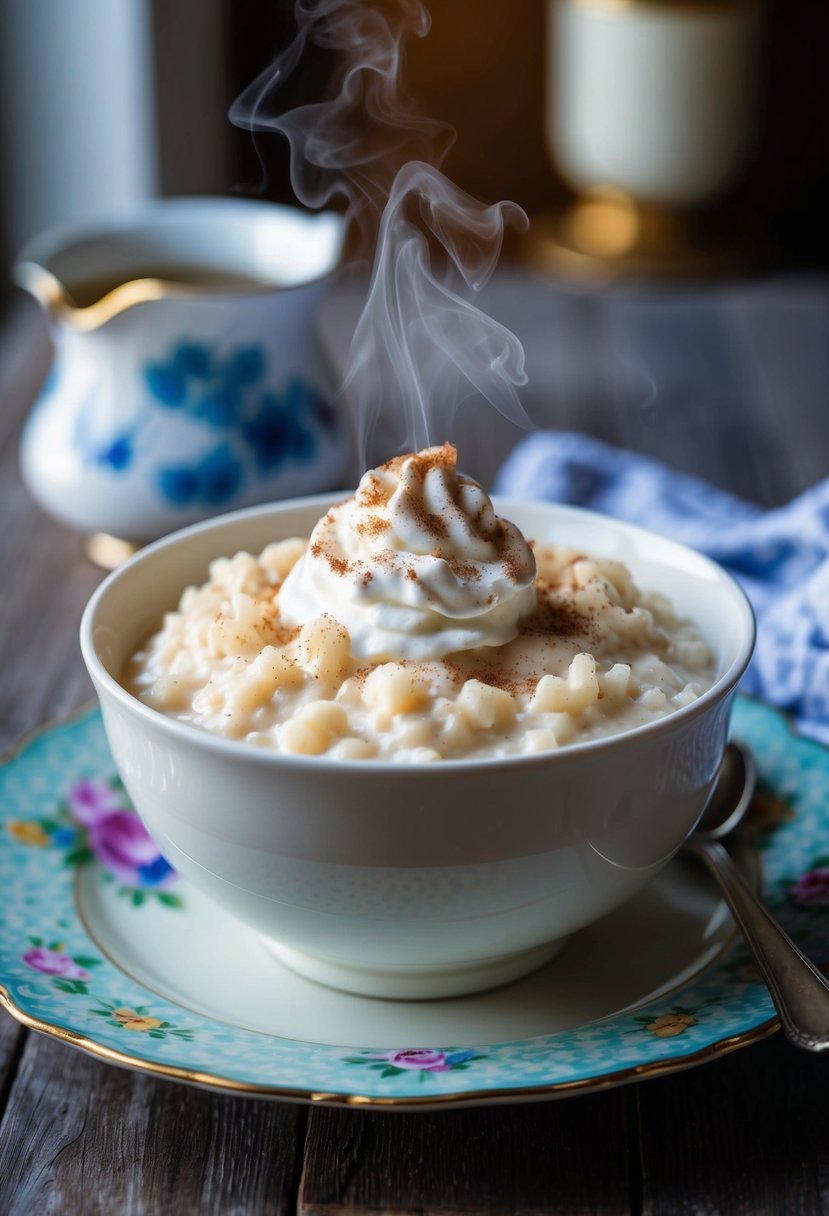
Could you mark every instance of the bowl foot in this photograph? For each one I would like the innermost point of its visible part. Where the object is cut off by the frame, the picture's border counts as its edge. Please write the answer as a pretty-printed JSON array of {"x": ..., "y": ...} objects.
[{"x": 413, "y": 984}]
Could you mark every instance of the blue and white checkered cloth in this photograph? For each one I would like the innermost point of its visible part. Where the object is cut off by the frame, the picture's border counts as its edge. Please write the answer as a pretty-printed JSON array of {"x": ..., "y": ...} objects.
[{"x": 781, "y": 557}]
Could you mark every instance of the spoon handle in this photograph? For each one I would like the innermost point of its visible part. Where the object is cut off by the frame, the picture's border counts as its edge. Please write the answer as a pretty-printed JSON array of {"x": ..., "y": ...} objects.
[{"x": 799, "y": 991}]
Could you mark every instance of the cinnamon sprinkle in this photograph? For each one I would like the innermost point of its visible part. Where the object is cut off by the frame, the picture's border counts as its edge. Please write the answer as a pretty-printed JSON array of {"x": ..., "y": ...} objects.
[
  {"x": 339, "y": 565},
  {"x": 431, "y": 524},
  {"x": 444, "y": 457},
  {"x": 466, "y": 571},
  {"x": 493, "y": 676},
  {"x": 512, "y": 566},
  {"x": 372, "y": 493},
  {"x": 556, "y": 616},
  {"x": 373, "y": 525}
]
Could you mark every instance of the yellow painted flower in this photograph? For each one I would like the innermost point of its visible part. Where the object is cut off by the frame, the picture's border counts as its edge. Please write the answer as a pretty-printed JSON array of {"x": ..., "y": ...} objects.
[
  {"x": 130, "y": 1020},
  {"x": 669, "y": 1024},
  {"x": 27, "y": 833}
]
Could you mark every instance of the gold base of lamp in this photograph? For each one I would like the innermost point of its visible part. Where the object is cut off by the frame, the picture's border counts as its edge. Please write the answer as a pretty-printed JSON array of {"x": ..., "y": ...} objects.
[{"x": 606, "y": 234}]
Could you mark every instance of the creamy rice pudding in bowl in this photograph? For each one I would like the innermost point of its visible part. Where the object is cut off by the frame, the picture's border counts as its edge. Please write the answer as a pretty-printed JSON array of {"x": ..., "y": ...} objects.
[{"x": 419, "y": 749}]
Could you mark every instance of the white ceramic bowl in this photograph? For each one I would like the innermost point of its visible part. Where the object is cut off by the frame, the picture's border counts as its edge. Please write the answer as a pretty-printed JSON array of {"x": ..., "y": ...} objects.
[{"x": 416, "y": 881}]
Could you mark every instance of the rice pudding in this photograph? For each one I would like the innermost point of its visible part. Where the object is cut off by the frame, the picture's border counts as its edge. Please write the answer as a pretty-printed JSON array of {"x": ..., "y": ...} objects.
[{"x": 415, "y": 625}]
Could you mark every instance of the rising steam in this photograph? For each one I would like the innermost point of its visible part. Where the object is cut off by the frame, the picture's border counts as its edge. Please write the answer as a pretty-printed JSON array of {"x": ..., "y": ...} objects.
[{"x": 421, "y": 346}]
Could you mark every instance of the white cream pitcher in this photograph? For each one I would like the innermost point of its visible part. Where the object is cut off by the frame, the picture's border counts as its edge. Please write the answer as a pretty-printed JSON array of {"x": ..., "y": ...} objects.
[{"x": 188, "y": 376}]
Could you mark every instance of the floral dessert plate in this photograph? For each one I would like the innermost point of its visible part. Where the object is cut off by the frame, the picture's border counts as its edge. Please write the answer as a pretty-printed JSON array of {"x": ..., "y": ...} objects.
[{"x": 103, "y": 946}]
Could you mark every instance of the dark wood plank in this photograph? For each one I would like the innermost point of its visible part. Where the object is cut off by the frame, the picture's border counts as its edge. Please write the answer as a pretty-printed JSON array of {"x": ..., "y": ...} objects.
[
  {"x": 42, "y": 600},
  {"x": 567, "y": 1157},
  {"x": 785, "y": 332},
  {"x": 44, "y": 678},
  {"x": 571, "y": 363},
  {"x": 12, "y": 1037},
  {"x": 25, "y": 353},
  {"x": 697, "y": 409},
  {"x": 747, "y": 1135},
  {"x": 81, "y": 1137}
]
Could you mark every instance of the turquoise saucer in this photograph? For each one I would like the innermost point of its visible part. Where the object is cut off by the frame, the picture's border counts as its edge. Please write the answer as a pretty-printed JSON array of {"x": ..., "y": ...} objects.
[{"x": 106, "y": 948}]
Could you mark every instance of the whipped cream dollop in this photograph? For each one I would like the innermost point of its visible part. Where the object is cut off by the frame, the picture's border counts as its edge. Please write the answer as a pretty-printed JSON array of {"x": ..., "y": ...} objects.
[{"x": 415, "y": 565}]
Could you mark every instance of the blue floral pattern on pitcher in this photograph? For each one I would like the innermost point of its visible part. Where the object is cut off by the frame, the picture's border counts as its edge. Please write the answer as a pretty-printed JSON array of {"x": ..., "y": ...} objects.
[{"x": 258, "y": 429}]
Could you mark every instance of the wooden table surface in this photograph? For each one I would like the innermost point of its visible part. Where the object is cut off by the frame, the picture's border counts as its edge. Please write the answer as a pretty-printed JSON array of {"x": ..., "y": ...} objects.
[{"x": 730, "y": 382}]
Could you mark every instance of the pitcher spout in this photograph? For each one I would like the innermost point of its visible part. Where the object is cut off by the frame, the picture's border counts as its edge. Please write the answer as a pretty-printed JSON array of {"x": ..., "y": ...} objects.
[{"x": 62, "y": 308}]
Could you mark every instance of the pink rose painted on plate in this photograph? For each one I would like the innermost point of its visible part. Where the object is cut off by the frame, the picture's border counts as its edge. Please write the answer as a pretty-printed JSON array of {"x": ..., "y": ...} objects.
[
  {"x": 68, "y": 973},
  {"x": 811, "y": 890},
  {"x": 430, "y": 1061},
  {"x": 89, "y": 800},
  {"x": 51, "y": 962},
  {"x": 423, "y": 1060},
  {"x": 124, "y": 846},
  {"x": 96, "y": 821}
]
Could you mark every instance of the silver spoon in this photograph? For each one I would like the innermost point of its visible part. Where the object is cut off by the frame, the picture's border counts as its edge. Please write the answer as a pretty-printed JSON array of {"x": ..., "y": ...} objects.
[{"x": 799, "y": 991}]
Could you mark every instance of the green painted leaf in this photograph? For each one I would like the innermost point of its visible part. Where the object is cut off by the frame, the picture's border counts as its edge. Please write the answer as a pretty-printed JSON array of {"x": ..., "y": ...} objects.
[
  {"x": 86, "y": 960},
  {"x": 72, "y": 987},
  {"x": 355, "y": 1060},
  {"x": 78, "y": 857},
  {"x": 169, "y": 901},
  {"x": 391, "y": 1071}
]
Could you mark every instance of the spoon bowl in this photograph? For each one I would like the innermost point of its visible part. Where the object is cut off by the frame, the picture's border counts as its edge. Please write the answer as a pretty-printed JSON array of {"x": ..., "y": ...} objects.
[{"x": 731, "y": 797}]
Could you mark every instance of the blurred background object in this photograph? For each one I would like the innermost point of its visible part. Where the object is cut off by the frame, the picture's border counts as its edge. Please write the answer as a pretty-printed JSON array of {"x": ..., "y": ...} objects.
[
  {"x": 491, "y": 78},
  {"x": 108, "y": 101},
  {"x": 658, "y": 99},
  {"x": 79, "y": 113},
  {"x": 652, "y": 117}
]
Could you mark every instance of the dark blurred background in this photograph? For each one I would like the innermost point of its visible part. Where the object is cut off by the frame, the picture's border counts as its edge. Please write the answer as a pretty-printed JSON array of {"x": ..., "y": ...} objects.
[{"x": 482, "y": 69}]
